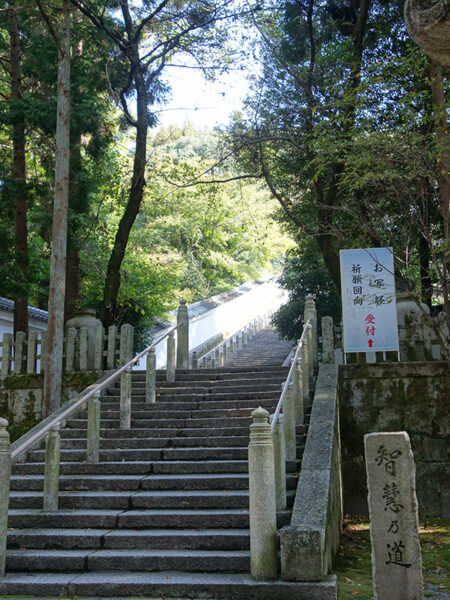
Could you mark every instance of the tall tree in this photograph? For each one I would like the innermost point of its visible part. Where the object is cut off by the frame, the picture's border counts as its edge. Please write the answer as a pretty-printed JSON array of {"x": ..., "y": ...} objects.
[
  {"x": 55, "y": 332},
  {"x": 147, "y": 36},
  {"x": 19, "y": 176}
]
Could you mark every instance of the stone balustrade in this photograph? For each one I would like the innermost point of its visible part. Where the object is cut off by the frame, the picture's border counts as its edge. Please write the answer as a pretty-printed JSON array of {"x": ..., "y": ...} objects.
[{"x": 25, "y": 355}]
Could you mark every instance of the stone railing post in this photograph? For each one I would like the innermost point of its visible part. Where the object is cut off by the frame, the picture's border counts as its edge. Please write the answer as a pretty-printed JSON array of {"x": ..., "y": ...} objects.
[
  {"x": 19, "y": 352},
  {"x": 111, "y": 348},
  {"x": 310, "y": 312},
  {"x": 84, "y": 349},
  {"x": 171, "y": 358},
  {"x": 289, "y": 423},
  {"x": 150, "y": 378},
  {"x": 245, "y": 336},
  {"x": 298, "y": 392},
  {"x": 213, "y": 359},
  {"x": 240, "y": 340},
  {"x": 263, "y": 526},
  {"x": 227, "y": 349},
  {"x": 31, "y": 353},
  {"x": 183, "y": 336},
  {"x": 305, "y": 370},
  {"x": 93, "y": 429},
  {"x": 5, "y": 477},
  {"x": 51, "y": 473},
  {"x": 6, "y": 354},
  {"x": 194, "y": 360},
  {"x": 126, "y": 354},
  {"x": 279, "y": 451},
  {"x": 310, "y": 351},
  {"x": 220, "y": 356},
  {"x": 98, "y": 349},
  {"x": 234, "y": 344},
  {"x": 327, "y": 340},
  {"x": 71, "y": 334}
]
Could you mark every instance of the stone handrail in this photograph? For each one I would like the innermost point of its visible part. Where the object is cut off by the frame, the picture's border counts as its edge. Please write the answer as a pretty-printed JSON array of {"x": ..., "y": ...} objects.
[
  {"x": 272, "y": 445},
  {"x": 289, "y": 377},
  {"x": 310, "y": 542},
  {"x": 93, "y": 391}
]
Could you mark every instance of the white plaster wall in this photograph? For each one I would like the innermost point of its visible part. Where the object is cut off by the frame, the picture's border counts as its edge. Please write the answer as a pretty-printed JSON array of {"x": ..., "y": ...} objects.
[{"x": 226, "y": 318}]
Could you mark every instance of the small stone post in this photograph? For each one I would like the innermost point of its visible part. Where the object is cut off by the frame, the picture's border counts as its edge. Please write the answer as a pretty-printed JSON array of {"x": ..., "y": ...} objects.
[
  {"x": 310, "y": 311},
  {"x": 213, "y": 359},
  {"x": 71, "y": 335},
  {"x": 310, "y": 349},
  {"x": 183, "y": 336},
  {"x": 239, "y": 341},
  {"x": 84, "y": 349},
  {"x": 19, "y": 352},
  {"x": 234, "y": 344},
  {"x": 220, "y": 356},
  {"x": 280, "y": 463},
  {"x": 305, "y": 371},
  {"x": 98, "y": 348},
  {"x": 396, "y": 556},
  {"x": 43, "y": 350},
  {"x": 227, "y": 349},
  {"x": 150, "y": 378},
  {"x": 289, "y": 423},
  {"x": 6, "y": 355},
  {"x": 93, "y": 429},
  {"x": 194, "y": 360},
  {"x": 263, "y": 526},
  {"x": 245, "y": 336},
  {"x": 327, "y": 340},
  {"x": 51, "y": 473},
  {"x": 126, "y": 354},
  {"x": 31, "y": 352},
  {"x": 298, "y": 392},
  {"x": 5, "y": 476},
  {"x": 171, "y": 358},
  {"x": 111, "y": 348}
]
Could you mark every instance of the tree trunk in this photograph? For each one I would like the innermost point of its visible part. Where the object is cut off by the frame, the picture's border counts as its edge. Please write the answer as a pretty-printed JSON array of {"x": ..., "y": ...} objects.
[
  {"x": 19, "y": 178},
  {"x": 112, "y": 283},
  {"x": 443, "y": 174},
  {"x": 72, "y": 283},
  {"x": 55, "y": 334}
]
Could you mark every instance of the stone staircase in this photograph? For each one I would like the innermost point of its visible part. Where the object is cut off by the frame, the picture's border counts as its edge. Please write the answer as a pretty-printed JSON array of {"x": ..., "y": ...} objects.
[
  {"x": 265, "y": 349},
  {"x": 164, "y": 514}
]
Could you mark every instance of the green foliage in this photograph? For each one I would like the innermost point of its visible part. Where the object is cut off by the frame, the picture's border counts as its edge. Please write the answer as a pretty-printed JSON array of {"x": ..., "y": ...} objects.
[{"x": 305, "y": 273}]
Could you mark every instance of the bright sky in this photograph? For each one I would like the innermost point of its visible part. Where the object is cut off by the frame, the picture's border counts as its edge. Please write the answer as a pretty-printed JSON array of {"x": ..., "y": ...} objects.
[{"x": 202, "y": 103}]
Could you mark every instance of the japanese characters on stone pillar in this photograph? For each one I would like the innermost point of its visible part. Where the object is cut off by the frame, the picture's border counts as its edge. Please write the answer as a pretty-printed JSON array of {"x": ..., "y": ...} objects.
[
  {"x": 396, "y": 556},
  {"x": 368, "y": 300}
]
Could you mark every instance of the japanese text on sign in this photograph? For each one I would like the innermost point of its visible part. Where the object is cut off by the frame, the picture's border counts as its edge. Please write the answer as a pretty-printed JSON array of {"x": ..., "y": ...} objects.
[{"x": 368, "y": 300}]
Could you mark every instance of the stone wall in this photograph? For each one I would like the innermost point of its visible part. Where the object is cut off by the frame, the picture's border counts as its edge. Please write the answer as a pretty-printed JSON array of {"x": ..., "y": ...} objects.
[
  {"x": 21, "y": 398},
  {"x": 412, "y": 397},
  {"x": 310, "y": 542}
]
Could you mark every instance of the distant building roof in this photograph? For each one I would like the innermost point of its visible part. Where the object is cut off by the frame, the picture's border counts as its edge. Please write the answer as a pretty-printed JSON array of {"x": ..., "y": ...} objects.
[{"x": 33, "y": 313}]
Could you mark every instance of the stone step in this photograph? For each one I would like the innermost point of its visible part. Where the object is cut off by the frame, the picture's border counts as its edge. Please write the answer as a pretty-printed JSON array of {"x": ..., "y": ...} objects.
[
  {"x": 130, "y": 500},
  {"x": 182, "y": 539},
  {"x": 142, "y": 443},
  {"x": 189, "y": 397},
  {"x": 142, "y": 560},
  {"x": 79, "y": 482},
  {"x": 155, "y": 433},
  {"x": 135, "y": 519},
  {"x": 83, "y": 468},
  {"x": 232, "y": 386},
  {"x": 170, "y": 454},
  {"x": 196, "y": 413},
  {"x": 165, "y": 584},
  {"x": 164, "y": 423}
]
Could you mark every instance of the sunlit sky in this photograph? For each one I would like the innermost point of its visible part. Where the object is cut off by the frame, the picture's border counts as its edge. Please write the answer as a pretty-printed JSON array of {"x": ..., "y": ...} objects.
[{"x": 203, "y": 103}]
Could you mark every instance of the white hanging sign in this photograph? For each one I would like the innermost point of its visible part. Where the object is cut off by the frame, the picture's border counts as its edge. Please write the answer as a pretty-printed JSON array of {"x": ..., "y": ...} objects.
[{"x": 368, "y": 300}]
